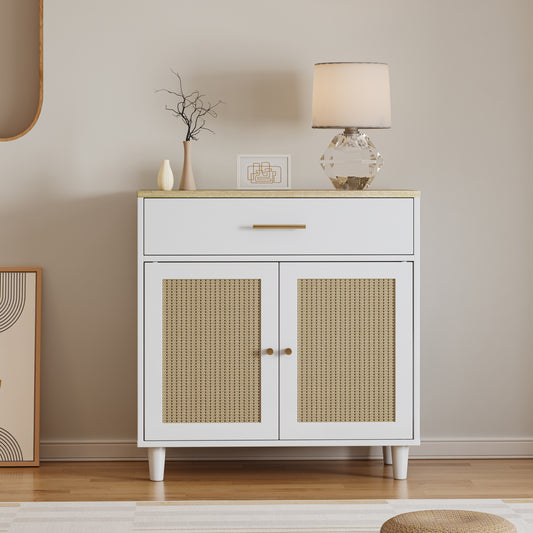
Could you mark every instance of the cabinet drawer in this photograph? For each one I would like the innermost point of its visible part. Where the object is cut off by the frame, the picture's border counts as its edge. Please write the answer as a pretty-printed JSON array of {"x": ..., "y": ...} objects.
[{"x": 334, "y": 226}]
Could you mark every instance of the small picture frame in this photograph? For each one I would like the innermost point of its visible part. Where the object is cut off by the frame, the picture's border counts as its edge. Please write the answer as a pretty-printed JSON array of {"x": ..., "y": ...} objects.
[{"x": 263, "y": 172}]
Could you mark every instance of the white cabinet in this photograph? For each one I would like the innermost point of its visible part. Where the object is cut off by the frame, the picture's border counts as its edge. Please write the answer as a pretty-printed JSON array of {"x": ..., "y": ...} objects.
[{"x": 278, "y": 319}]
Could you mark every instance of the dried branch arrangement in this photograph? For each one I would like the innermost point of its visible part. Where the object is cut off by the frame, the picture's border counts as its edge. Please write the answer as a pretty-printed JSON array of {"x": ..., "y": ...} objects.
[{"x": 192, "y": 109}]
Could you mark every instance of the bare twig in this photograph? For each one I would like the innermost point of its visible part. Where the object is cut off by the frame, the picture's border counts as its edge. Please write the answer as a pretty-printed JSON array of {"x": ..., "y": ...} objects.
[{"x": 191, "y": 109}]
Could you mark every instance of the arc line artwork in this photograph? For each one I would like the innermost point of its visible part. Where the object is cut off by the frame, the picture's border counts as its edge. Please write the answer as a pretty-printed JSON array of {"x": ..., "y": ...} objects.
[
  {"x": 20, "y": 342},
  {"x": 9, "y": 447},
  {"x": 12, "y": 298}
]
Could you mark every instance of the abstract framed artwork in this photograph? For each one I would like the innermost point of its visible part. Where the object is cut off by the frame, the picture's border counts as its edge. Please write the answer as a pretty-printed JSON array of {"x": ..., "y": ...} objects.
[
  {"x": 20, "y": 358},
  {"x": 263, "y": 172}
]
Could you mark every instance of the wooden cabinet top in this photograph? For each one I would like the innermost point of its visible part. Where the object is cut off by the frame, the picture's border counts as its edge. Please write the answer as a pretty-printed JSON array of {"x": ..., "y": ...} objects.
[{"x": 281, "y": 193}]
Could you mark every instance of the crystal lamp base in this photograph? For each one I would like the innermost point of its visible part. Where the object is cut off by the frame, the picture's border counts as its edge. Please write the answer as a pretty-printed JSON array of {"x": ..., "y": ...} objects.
[{"x": 351, "y": 160}]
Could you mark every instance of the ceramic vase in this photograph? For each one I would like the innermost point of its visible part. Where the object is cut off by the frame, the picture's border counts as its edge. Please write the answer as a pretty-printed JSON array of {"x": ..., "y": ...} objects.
[
  {"x": 187, "y": 177},
  {"x": 165, "y": 178}
]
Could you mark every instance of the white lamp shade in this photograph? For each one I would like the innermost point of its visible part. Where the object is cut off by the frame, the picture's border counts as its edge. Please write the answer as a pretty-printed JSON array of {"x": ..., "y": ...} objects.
[{"x": 351, "y": 95}]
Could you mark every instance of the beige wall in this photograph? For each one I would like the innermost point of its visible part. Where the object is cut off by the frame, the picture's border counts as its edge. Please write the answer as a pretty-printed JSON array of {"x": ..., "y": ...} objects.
[{"x": 462, "y": 86}]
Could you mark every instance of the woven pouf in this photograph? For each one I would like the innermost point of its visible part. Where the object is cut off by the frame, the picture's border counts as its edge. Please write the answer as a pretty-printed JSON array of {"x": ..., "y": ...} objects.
[{"x": 447, "y": 521}]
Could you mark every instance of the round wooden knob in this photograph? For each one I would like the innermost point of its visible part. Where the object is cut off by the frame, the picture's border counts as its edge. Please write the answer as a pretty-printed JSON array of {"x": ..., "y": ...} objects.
[
  {"x": 288, "y": 351},
  {"x": 269, "y": 351}
]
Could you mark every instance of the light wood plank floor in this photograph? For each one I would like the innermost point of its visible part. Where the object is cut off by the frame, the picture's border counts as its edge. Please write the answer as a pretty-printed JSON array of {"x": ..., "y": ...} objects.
[{"x": 265, "y": 480}]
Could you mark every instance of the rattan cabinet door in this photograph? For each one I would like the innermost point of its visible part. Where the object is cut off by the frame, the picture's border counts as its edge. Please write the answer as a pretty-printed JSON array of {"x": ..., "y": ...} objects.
[
  {"x": 349, "y": 328},
  {"x": 207, "y": 372}
]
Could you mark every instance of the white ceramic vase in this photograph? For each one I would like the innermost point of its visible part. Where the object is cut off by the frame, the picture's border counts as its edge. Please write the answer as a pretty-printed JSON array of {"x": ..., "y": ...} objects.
[
  {"x": 165, "y": 178},
  {"x": 187, "y": 177}
]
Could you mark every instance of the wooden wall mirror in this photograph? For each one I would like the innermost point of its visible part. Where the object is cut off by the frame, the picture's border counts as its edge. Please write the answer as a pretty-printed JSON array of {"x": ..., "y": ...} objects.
[{"x": 21, "y": 66}]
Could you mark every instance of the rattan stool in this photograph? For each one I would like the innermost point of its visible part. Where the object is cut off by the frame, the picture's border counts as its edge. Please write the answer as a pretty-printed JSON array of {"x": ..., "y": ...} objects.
[{"x": 447, "y": 521}]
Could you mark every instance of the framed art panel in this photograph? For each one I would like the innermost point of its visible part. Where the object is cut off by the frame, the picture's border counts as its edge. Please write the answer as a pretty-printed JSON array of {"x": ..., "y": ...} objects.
[
  {"x": 263, "y": 172},
  {"x": 20, "y": 354}
]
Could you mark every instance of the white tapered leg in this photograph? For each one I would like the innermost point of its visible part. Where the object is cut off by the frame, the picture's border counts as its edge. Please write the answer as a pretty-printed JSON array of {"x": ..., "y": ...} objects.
[
  {"x": 400, "y": 458},
  {"x": 156, "y": 463},
  {"x": 387, "y": 455}
]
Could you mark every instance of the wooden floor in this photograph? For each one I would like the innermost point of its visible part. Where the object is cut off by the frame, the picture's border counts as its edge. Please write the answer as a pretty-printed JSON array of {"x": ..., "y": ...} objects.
[{"x": 266, "y": 480}]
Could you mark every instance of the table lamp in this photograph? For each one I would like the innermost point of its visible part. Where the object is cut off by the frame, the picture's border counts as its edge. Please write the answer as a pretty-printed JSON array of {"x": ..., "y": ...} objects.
[{"x": 351, "y": 96}]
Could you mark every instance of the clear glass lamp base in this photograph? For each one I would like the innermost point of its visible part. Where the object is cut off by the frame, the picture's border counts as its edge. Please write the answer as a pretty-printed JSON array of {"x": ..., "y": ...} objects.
[{"x": 351, "y": 161}]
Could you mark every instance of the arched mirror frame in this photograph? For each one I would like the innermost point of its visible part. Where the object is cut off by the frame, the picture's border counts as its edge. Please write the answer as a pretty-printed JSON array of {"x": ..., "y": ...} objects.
[{"x": 40, "y": 103}]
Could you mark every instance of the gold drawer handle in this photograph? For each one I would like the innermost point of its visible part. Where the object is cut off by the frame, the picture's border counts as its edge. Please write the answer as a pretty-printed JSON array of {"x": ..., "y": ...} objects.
[
  {"x": 288, "y": 351},
  {"x": 270, "y": 351},
  {"x": 279, "y": 226}
]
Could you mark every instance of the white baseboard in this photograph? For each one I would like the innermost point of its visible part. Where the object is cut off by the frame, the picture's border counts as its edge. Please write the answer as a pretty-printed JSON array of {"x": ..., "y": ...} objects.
[{"x": 429, "y": 449}]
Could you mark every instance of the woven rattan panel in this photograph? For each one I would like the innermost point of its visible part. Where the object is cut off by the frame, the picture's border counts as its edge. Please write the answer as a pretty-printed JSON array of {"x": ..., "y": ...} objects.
[
  {"x": 346, "y": 350},
  {"x": 211, "y": 350}
]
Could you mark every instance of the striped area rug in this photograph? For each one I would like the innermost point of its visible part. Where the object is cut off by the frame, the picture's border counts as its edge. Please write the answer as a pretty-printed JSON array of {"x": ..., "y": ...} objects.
[{"x": 358, "y": 516}]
